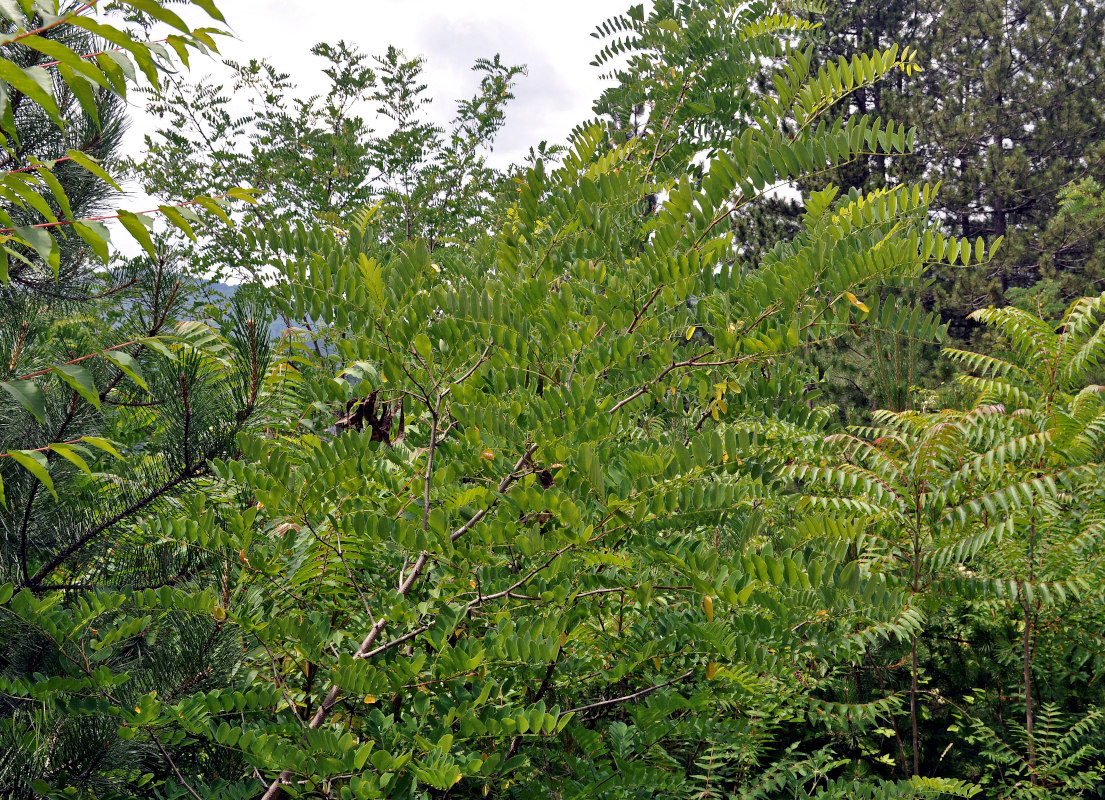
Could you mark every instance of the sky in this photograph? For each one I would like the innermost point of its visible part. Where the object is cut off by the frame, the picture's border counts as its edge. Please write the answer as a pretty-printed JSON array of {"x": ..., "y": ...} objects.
[{"x": 552, "y": 39}]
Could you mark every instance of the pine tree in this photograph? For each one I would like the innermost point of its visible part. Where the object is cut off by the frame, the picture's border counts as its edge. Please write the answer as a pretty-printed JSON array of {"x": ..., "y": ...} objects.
[
  {"x": 1009, "y": 109},
  {"x": 110, "y": 414}
]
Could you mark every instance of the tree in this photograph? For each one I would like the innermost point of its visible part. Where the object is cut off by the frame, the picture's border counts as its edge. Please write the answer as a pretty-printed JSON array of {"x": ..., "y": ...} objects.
[
  {"x": 1010, "y": 101},
  {"x": 106, "y": 423},
  {"x": 320, "y": 159},
  {"x": 991, "y": 518},
  {"x": 1042, "y": 389},
  {"x": 501, "y": 565}
]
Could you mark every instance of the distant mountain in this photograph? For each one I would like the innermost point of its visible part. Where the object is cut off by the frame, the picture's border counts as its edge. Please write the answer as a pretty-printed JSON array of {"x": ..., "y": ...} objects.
[{"x": 215, "y": 289}]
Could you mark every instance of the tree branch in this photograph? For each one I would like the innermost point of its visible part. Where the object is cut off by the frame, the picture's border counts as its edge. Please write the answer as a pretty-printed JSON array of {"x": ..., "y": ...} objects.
[{"x": 629, "y": 697}]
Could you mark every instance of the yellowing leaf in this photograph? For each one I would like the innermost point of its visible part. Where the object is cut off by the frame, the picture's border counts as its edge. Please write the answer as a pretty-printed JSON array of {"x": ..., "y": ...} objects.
[
  {"x": 856, "y": 302},
  {"x": 708, "y": 607}
]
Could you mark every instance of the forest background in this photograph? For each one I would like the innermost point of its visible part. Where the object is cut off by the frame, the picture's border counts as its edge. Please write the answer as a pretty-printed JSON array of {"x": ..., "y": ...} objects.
[{"x": 747, "y": 444}]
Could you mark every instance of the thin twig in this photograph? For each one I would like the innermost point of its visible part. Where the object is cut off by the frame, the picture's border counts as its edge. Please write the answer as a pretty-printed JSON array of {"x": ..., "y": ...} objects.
[
  {"x": 172, "y": 764},
  {"x": 629, "y": 697}
]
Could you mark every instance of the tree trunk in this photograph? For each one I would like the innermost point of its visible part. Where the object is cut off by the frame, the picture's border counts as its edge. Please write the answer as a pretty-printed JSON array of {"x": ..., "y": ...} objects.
[
  {"x": 913, "y": 657},
  {"x": 913, "y": 708},
  {"x": 1029, "y": 718}
]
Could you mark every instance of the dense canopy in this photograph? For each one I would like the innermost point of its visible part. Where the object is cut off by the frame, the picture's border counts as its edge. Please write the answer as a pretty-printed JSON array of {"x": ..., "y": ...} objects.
[{"x": 720, "y": 451}]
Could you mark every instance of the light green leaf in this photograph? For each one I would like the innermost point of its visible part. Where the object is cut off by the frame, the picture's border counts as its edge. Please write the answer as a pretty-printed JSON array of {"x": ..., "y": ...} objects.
[
  {"x": 136, "y": 227},
  {"x": 43, "y": 243},
  {"x": 26, "y": 187},
  {"x": 103, "y": 444},
  {"x": 174, "y": 216},
  {"x": 158, "y": 346},
  {"x": 83, "y": 90},
  {"x": 212, "y": 206},
  {"x": 209, "y": 7},
  {"x": 56, "y": 189},
  {"x": 96, "y": 235},
  {"x": 160, "y": 13},
  {"x": 28, "y": 82},
  {"x": 238, "y": 193},
  {"x": 36, "y": 464},
  {"x": 69, "y": 452},
  {"x": 92, "y": 166}
]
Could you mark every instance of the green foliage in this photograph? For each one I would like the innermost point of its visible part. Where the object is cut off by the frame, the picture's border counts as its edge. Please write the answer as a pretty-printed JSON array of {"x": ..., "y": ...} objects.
[
  {"x": 535, "y": 496},
  {"x": 48, "y": 83},
  {"x": 363, "y": 149},
  {"x": 1019, "y": 89},
  {"x": 107, "y": 423},
  {"x": 516, "y": 540}
]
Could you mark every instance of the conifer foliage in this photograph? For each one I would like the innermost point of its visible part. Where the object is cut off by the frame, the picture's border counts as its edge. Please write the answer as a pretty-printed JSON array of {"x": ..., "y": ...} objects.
[{"x": 108, "y": 421}]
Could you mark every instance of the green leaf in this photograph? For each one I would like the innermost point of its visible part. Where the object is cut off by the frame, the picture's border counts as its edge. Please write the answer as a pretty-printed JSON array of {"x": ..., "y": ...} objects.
[
  {"x": 104, "y": 444},
  {"x": 31, "y": 84},
  {"x": 136, "y": 227},
  {"x": 114, "y": 73},
  {"x": 43, "y": 244},
  {"x": 174, "y": 216},
  {"x": 30, "y": 396},
  {"x": 36, "y": 464},
  {"x": 212, "y": 206},
  {"x": 92, "y": 166},
  {"x": 26, "y": 186},
  {"x": 158, "y": 346},
  {"x": 209, "y": 7},
  {"x": 56, "y": 189},
  {"x": 96, "y": 235},
  {"x": 238, "y": 193},
  {"x": 83, "y": 90},
  {"x": 68, "y": 452},
  {"x": 127, "y": 363},
  {"x": 81, "y": 380},
  {"x": 160, "y": 13}
]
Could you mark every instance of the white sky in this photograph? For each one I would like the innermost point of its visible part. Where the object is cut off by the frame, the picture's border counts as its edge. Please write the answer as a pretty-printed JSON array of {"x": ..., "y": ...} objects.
[{"x": 553, "y": 41}]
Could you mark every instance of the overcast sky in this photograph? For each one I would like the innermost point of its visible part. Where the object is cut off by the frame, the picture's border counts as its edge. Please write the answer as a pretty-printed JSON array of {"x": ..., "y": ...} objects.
[{"x": 552, "y": 39}]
